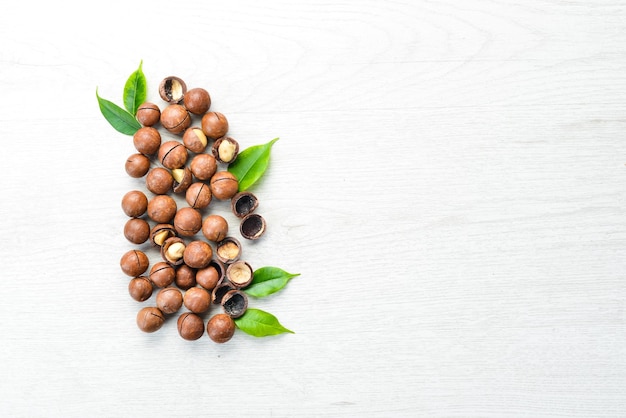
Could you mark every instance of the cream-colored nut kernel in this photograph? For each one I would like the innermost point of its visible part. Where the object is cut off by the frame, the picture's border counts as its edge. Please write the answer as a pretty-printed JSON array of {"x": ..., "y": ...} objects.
[
  {"x": 177, "y": 90},
  {"x": 226, "y": 151},
  {"x": 175, "y": 251},
  {"x": 178, "y": 174},
  {"x": 160, "y": 238},
  {"x": 201, "y": 136}
]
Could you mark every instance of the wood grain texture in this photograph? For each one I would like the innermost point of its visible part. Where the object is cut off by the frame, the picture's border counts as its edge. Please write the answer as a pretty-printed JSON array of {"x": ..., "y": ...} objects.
[{"x": 449, "y": 182}]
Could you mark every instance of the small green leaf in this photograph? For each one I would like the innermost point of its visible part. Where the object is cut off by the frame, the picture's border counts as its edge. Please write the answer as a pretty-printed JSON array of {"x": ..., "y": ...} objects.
[
  {"x": 135, "y": 90},
  {"x": 268, "y": 280},
  {"x": 251, "y": 163},
  {"x": 259, "y": 323},
  {"x": 119, "y": 118}
]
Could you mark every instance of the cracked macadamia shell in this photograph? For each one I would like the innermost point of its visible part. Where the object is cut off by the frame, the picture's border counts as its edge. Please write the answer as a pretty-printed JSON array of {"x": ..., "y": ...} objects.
[
  {"x": 150, "y": 319},
  {"x": 175, "y": 118},
  {"x": 225, "y": 149},
  {"x": 214, "y": 125},
  {"x": 190, "y": 326},
  {"x": 224, "y": 185},
  {"x": 148, "y": 114},
  {"x": 187, "y": 221},
  {"x": 134, "y": 263},
  {"x": 172, "y": 89},
  {"x": 162, "y": 274},
  {"x": 172, "y": 154},
  {"x": 140, "y": 288},
  {"x": 172, "y": 251},
  {"x": 215, "y": 227},
  {"x": 195, "y": 140}
]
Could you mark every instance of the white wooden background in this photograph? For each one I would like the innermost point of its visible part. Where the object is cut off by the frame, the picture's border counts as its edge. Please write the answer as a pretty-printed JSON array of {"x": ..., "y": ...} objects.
[{"x": 449, "y": 182}]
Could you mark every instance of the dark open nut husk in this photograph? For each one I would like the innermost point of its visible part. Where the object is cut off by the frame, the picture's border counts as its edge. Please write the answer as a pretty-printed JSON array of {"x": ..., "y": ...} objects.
[
  {"x": 252, "y": 226},
  {"x": 243, "y": 203},
  {"x": 222, "y": 287},
  {"x": 235, "y": 303}
]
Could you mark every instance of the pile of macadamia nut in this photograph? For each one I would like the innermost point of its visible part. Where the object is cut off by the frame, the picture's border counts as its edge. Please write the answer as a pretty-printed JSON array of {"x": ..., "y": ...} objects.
[{"x": 200, "y": 262}]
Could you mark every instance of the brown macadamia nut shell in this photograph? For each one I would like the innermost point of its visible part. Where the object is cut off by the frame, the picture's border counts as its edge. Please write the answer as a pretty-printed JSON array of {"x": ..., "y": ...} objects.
[
  {"x": 162, "y": 274},
  {"x": 235, "y": 303},
  {"x": 148, "y": 114},
  {"x": 224, "y": 185},
  {"x": 195, "y": 140},
  {"x": 187, "y": 221},
  {"x": 134, "y": 203},
  {"x": 137, "y": 230},
  {"x": 211, "y": 275},
  {"x": 228, "y": 250},
  {"x": 172, "y": 154},
  {"x": 190, "y": 326},
  {"x": 215, "y": 227},
  {"x": 197, "y": 101},
  {"x": 197, "y": 300},
  {"x": 137, "y": 165},
  {"x": 162, "y": 208},
  {"x": 140, "y": 288},
  {"x": 134, "y": 263},
  {"x": 150, "y": 319},
  {"x": 169, "y": 300},
  {"x": 185, "y": 277},
  {"x": 147, "y": 140},
  {"x": 172, "y": 251},
  {"x": 203, "y": 166},
  {"x": 197, "y": 254},
  {"x": 159, "y": 180},
  {"x": 175, "y": 118},
  {"x": 220, "y": 328},
  {"x": 252, "y": 226},
  {"x": 214, "y": 125},
  {"x": 198, "y": 195}
]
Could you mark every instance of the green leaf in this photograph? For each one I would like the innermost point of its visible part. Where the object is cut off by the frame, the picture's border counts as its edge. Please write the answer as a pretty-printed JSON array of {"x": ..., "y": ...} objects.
[
  {"x": 135, "y": 90},
  {"x": 259, "y": 323},
  {"x": 268, "y": 280},
  {"x": 119, "y": 118},
  {"x": 251, "y": 163}
]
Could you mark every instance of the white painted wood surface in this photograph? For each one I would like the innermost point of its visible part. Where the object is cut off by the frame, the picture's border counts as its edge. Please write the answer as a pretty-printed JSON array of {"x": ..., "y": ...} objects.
[{"x": 449, "y": 182}]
